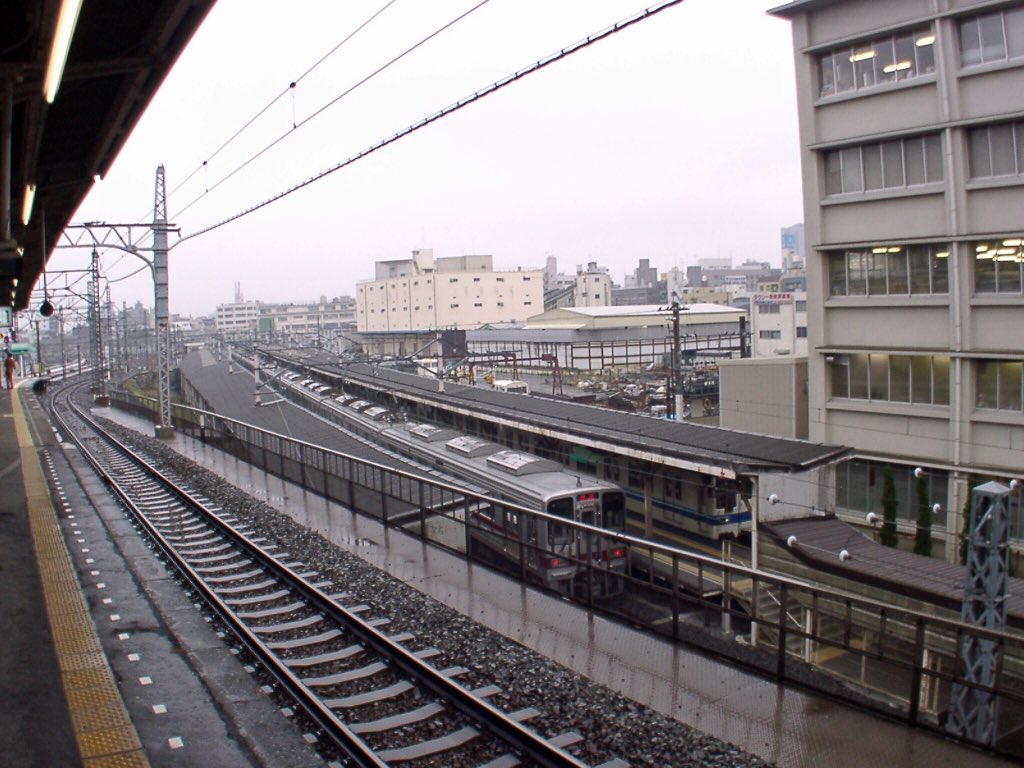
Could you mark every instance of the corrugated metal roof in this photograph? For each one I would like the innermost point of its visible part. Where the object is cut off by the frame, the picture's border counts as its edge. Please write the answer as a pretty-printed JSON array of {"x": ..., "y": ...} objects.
[
  {"x": 693, "y": 442},
  {"x": 821, "y": 539}
]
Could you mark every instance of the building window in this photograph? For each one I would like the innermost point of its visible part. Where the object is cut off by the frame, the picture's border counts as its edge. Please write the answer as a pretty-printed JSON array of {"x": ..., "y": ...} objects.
[
  {"x": 476, "y": 279},
  {"x": 918, "y": 379},
  {"x": 889, "y": 270},
  {"x": 801, "y": 331},
  {"x": 801, "y": 305},
  {"x": 769, "y": 309},
  {"x": 992, "y": 37},
  {"x": 999, "y": 267},
  {"x": 478, "y": 305},
  {"x": 1000, "y": 385},
  {"x": 526, "y": 279},
  {"x": 895, "y": 164},
  {"x": 878, "y": 62},
  {"x": 454, "y": 306},
  {"x": 453, "y": 279},
  {"x": 770, "y": 334},
  {"x": 859, "y": 489},
  {"x": 996, "y": 150}
]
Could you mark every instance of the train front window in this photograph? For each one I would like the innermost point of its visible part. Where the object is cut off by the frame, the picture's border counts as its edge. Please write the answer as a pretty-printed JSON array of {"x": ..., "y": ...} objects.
[
  {"x": 560, "y": 534},
  {"x": 614, "y": 511}
]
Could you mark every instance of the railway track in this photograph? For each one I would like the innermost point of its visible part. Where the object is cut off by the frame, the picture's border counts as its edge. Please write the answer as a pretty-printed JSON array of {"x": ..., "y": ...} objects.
[{"x": 376, "y": 697}]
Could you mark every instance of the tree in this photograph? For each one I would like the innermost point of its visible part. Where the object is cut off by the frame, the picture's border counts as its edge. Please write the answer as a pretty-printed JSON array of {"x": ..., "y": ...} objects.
[
  {"x": 923, "y": 534},
  {"x": 965, "y": 523},
  {"x": 888, "y": 536}
]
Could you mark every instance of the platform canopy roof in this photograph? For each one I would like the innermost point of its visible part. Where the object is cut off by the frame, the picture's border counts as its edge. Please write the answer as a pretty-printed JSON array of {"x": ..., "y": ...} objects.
[{"x": 120, "y": 53}]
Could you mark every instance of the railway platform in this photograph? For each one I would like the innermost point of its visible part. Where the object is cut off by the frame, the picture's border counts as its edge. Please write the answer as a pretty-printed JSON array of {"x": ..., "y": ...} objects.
[
  {"x": 103, "y": 660},
  {"x": 143, "y": 680}
]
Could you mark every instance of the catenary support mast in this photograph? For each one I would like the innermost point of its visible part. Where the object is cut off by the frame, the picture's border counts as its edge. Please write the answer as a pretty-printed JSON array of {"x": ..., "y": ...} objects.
[{"x": 163, "y": 320}]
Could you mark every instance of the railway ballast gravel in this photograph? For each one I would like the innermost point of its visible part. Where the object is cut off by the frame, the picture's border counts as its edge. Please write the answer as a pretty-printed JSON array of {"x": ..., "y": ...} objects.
[{"x": 610, "y": 723}]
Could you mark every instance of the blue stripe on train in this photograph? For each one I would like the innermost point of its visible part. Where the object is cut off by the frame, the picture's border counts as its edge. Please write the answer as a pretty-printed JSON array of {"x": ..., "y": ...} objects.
[{"x": 732, "y": 518}]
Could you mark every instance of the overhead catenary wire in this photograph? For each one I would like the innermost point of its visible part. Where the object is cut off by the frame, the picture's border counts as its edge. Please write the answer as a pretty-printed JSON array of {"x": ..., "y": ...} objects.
[
  {"x": 450, "y": 109},
  {"x": 290, "y": 88},
  {"x": 348, "y": 91}
]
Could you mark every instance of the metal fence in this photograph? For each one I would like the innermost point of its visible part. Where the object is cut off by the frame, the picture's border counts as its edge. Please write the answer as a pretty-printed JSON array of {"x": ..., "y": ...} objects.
[{"x": 898, "y": 662}]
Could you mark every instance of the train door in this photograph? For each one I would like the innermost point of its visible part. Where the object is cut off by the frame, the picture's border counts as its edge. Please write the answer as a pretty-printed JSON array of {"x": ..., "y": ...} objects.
[{"x": 535, "y": 543}]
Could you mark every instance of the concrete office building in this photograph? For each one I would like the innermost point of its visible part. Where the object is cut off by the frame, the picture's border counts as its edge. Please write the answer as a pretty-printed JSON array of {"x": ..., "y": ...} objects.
[
  {"x": 912, "y": 130},
  {"x": 778, "y": 324},
  {"x": 593, "y": 287},
  {"x": 792, "y": 242},
  {"x": 422, "y": 293}
]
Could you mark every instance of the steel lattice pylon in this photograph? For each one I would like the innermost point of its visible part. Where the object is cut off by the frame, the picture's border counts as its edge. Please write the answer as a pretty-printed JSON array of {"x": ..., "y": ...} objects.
[
  {"x": 96, "y": 329},
  {"x": 162, "y": 312},
  {"x": 973, "y": 711}
]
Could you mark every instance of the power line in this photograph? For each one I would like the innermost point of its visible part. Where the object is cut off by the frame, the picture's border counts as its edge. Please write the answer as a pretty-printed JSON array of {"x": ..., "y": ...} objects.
[
  {"x": 291, "y": 87},
  {"x": 493, "y": 88},
  {"x": 335, "y": 100}
]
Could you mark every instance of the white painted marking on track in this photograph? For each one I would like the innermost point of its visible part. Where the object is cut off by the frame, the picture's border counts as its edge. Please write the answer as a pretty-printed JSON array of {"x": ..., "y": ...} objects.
[
  {"x": 176, "y": 742},
  {"x": 133, "y": 657},
  {"x": 159, "y": 709},
  {"x": 107, "y": 600},
  {"x": 123, "y": 636},
  {"x": 115, "y": 617},
  {"x": 145, "y": 680}
]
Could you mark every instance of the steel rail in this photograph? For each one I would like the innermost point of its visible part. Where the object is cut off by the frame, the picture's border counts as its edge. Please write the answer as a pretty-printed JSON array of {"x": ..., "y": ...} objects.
[{"x": 490, "y": 718}]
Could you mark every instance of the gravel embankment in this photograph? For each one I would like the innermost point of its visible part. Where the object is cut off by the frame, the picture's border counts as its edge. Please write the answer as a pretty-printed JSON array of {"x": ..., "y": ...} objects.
[{"x": 611, "y": 725}]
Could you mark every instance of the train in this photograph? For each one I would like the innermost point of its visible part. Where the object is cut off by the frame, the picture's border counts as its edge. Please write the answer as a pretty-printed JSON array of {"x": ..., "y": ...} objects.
[
  {"x": 687, "y": 510},
  {"x": 554, "y": 552},
  {"x": 563, "y": 558}
]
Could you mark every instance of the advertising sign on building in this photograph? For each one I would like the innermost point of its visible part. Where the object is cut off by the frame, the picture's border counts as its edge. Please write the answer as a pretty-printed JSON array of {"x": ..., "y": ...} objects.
[{"x": 773, "y": 298}]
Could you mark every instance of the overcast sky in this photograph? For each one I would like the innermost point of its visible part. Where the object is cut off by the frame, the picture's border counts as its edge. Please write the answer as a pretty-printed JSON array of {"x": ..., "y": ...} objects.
[{"x": 673, "y": 140}]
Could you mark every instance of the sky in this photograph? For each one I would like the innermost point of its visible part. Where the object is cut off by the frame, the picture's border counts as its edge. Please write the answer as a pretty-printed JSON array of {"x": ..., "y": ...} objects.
[{"x": 672, "y": 140}]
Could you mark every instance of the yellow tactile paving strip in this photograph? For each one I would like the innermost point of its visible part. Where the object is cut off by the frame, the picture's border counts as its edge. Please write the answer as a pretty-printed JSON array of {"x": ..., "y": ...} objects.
[{"x": 105, "y": 734}]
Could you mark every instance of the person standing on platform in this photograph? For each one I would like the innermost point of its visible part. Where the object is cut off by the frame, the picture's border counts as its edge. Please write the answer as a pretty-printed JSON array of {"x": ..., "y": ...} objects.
[{"x": 9, "y": 370}]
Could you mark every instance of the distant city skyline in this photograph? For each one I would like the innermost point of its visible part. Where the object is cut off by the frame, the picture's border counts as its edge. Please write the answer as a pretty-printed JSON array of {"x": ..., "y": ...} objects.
[{"x": 672, "y": 140}]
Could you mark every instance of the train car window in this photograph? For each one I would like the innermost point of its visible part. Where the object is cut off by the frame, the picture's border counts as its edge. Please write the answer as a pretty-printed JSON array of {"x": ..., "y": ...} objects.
[
  {"x": 635, "y": 476},
  {"x": 564, "y": 507},
  {"x": 611, "y": 468},
  {"x": 725, "y": 501},
  {"x": 531, "y": 529},
  {"x": 613, "y": 513}
]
